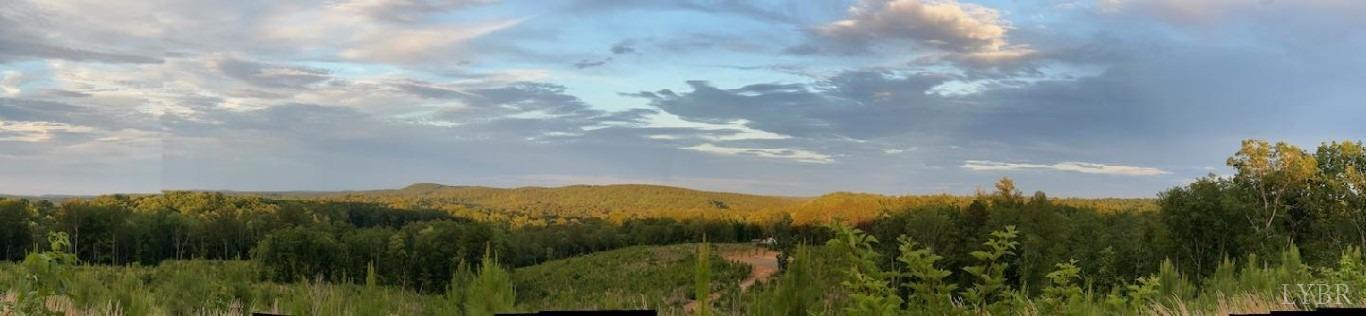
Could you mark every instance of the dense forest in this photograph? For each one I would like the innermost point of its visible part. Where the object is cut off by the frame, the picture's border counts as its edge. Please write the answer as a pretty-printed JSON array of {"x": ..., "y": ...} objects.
[{"x": 1286, "y": 216}]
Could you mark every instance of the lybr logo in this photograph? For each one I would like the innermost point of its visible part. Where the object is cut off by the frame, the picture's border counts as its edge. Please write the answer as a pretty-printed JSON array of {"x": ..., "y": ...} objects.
[{"x": 1319, "y": 294}]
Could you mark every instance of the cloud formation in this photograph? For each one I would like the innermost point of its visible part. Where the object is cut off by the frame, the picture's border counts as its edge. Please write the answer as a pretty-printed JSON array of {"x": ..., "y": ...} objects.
[
  {"x": 9, "y": 82},
  {"x": 889, "y": 96},
  {"x": 961, "y": 32},
  {"x": 269, "y": 76},
  {"x": 35, "y": 131},
  {"x": 945, "y": 24},
  {"x": 857, "y": 104},
  {"x": 592, "y": 63},
  {"x": 623, "y": 47},
  {"x": 1071, "y": 166},
  {"x": 777, "y": 153},
  {"x": 405, "y": 11}
]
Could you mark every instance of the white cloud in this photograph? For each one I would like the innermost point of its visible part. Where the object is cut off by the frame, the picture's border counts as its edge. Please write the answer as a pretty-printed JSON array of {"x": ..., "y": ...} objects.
[
  {"x": 1082, "y": 167},
  {"x": 382, "y": 31},
  {"x": 403, "y": 32},
  {"x": 36, "y": 131},
  {"x": 9, "y": 83},
  {"x": 976, "y": 31},
  {"x": 893, "y": 151},
  {"x": 779, "y": 153},
  {"x": 740, "y": 126}
]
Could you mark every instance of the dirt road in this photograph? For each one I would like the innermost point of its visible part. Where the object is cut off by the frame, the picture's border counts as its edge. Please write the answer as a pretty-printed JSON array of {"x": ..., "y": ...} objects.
[{"x": 763, "y": 264}]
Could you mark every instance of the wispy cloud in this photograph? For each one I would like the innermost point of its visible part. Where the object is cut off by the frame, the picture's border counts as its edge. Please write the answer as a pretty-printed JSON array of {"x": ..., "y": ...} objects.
[
  {"x": 799, "y": 155},
  {"x": 1082, "y": 167},
  {"x": 36, "y": 131}
]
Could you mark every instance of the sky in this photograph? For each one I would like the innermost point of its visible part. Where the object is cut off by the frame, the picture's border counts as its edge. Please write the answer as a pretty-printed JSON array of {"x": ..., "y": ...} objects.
[{"x": 1104, "y": 98}]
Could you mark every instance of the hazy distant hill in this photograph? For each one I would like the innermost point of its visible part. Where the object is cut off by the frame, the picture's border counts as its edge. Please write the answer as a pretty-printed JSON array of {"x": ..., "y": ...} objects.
[
  {"x": 616, "y": 201},
  {"x": 46, "y": 197},
  {"x": 640, "y": 200},
  {"x": 620, "y": 201}
]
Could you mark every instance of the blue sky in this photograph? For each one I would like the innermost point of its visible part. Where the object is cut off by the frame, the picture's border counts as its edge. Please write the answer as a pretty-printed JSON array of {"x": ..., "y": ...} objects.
[{"x": 1075, "y": 98}]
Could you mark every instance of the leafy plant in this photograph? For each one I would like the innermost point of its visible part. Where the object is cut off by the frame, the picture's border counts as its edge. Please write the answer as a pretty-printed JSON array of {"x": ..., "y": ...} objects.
[
  {"x": 46, "y": 275},
  {"x": 990, "y": 281},
  {"x": 865, "y": 284},
  {"x": 1062, "y": 289},
  {"x": 929, "y": 290},
  {"x": 1146, "y": 291}
]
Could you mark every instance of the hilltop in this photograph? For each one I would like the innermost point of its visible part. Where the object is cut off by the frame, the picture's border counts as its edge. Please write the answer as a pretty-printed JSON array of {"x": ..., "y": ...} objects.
[
  {"x": 618, "y": 201},
  {"x": 574, "y": 201}
]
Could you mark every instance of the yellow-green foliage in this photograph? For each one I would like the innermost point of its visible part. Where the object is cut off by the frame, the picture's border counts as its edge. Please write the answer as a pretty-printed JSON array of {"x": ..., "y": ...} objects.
[{"x": 540, "y": 205}]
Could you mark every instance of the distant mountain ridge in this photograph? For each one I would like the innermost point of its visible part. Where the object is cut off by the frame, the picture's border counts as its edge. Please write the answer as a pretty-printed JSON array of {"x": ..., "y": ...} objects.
[
  {"x": 648, "y": 200},
  {"x": 55, "y": 198},
  {"x": 575, "y": 201},
  {"x": 620, "y": 201}
]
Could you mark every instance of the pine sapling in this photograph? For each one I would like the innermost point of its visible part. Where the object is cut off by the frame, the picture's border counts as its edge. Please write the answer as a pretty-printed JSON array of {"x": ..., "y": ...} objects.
[
  {"x": 702, "y": 280},
  {"x": 491, "y": 291}
]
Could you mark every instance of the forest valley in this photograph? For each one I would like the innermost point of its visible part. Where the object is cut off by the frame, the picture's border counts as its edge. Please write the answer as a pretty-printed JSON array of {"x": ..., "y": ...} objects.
[{"x": 1287, "y": 223}]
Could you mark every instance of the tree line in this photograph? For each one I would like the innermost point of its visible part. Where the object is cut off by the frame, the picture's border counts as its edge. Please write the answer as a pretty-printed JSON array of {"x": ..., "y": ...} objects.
[
  {"x": 337, "y": 241},
  {"x": 1280, "y": 197}
]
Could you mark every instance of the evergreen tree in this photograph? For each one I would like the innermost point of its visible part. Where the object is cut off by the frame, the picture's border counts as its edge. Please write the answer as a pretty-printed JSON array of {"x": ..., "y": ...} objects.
[
  {"x": 702, "y": 280},
  {"x": 491, "y": 291},
  {"x": 795, "y": 292},
  {"x": 371, "y": 278}
]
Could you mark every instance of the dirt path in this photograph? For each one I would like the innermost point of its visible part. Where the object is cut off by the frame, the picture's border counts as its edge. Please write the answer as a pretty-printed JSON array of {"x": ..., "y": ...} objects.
[{"x": 763, "y": 264}]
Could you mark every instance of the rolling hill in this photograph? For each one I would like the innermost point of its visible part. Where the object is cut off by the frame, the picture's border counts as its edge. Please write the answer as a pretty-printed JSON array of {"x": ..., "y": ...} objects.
[
  {"x": 576, "y": 201},
  {"x": 621, "y": 201}
]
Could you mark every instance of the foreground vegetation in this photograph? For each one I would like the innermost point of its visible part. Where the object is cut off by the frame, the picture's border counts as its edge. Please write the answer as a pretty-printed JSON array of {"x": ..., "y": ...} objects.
[
  {"x": 920, "y": 285},
  {"x": 660, "y": 277},
  {"x": 1288, "y": 225},
  {"x": 840, "y": 277}
]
